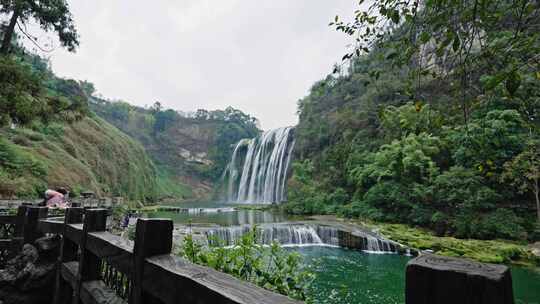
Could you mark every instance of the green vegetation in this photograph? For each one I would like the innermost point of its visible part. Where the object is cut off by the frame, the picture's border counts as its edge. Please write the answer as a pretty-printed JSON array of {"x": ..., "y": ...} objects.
[
  {"x": 432, "y": 121},
  {"x": 167, "y": 187},
  {"x": 48, "y": 138},
  {"x": 51, "y": 15},
  {"x": 189, "y": 150},
  {"x": 271, "y": 267},
  {"x": 255, "y": 207},
  {"x": 51, "y": 138},
  {"x": 492, "y": 251},
  {"x": 87, "y": 155},
  {"x": 29, "y": 92}
]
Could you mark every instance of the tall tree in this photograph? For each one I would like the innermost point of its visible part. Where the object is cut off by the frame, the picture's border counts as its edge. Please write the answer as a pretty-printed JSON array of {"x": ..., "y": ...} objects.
[
  {"x": 51, "y": 15},
  {"x": 523, "y": 172}
]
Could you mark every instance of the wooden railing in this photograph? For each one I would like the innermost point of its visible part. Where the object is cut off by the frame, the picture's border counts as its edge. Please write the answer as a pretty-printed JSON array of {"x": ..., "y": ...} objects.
[
  {"x": 10, "y": 237},
  {"x": 96, "y": 266},
  {"x": 13, "y": 233},
  {"x": 22, "y": 228}
]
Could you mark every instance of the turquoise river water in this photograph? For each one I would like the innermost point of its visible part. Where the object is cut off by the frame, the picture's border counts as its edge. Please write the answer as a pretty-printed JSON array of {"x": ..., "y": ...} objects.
[{"x": 346, "y": 276}]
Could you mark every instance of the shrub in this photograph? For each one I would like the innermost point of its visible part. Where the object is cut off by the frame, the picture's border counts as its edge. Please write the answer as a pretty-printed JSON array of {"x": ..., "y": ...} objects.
[
  {"x": 392, "y": 198},
  {"x": 362, "y": 210},
  {"x": 16, "y": 161},
  {"x": 502, "y": 223},
  {"x": 439, "y": 222},
  {"x": 22, "y": 140},
  {"x": 272, "y": 268},
  {"x": 460, "y": 187}
]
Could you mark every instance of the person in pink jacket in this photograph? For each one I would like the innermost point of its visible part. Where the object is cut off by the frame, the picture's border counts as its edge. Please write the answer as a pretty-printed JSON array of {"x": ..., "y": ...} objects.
[{"x": 56, "y": 198}]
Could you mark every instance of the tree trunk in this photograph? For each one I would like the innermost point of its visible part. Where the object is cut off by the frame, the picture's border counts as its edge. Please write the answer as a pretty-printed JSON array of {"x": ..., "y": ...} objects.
[
  {"x": 8, "y": 34},
  {"x": 536, "y": 193}
]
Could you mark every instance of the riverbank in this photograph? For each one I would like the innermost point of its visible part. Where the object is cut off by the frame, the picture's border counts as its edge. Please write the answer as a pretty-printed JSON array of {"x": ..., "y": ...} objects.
[
  {"x": 486, "y": 251},
  {"x": 342, "y": 273}
]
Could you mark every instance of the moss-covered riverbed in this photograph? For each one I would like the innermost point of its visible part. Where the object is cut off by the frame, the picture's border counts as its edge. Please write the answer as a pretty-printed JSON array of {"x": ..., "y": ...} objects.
[{"x": 488, "y": 251}]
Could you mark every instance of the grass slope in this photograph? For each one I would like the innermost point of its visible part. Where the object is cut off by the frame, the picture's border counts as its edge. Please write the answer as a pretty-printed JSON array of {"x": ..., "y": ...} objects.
[{"x": 90, "y": 154}]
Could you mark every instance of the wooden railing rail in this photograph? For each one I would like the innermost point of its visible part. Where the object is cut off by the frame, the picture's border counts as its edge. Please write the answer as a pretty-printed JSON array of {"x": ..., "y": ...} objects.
[{"x": 111, "y": 269}]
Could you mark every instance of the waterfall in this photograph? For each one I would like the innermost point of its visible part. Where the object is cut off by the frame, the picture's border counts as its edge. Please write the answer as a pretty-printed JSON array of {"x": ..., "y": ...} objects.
[
  {"x": 303, "y": 235},
  {"x": 264, "y": 169},
  {"x": 375, "y": 245},
  {"x": 282, "y": 233},
  {"x": 232, "y": 169}
]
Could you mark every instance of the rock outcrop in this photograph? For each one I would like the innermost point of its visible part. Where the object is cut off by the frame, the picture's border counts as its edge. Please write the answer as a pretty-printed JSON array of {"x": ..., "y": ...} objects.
[{"x": 29, "y": 277}]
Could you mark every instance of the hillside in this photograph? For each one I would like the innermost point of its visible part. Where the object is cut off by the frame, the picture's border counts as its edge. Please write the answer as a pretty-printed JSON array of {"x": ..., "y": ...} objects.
[
  {"x": 189, "y": 151},
  {"x": 86, "y": 155},
  {"x": 54, "y": 132},
  {"x": 372, "y": 144}
]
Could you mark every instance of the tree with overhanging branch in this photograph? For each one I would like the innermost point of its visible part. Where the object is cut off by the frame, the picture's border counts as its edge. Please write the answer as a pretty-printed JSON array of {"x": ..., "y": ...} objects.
[
  {"x": 466, "y": 42},
  {"x": 50, "y": 15}
]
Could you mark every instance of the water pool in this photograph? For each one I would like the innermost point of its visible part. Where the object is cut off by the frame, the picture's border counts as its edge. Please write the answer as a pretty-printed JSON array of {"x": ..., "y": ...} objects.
[
  {"x": 346, "y": 276},
  {"x": 352, "y": 277}
]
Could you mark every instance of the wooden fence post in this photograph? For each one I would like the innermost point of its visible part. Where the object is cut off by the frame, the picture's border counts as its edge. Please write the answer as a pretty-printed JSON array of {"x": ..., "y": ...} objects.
[
  {"x": 68, "y": 252},
  {"x": 447, "y": 280},
  {"x": 30, "y": 226},
  {"x": 89, "y": 264},
  {"x": 152, "y": 237},
  {"x": 21, "y": 212},
  {"x": 17, "y": 240}
]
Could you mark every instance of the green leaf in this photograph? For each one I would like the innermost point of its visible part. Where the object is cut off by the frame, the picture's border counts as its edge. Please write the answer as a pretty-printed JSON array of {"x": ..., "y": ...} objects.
[
  {"x": 395, "y": 16},
  {"x": 424, "y": 37},
  {"x": 490, "y": 82},
  {"x": 391, "y": 54},
  {"x": 513, "y": 81}
]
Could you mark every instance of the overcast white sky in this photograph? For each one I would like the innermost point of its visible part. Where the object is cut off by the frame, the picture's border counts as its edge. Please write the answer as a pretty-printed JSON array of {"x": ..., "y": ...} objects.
[{"x": 260, "y": 56}]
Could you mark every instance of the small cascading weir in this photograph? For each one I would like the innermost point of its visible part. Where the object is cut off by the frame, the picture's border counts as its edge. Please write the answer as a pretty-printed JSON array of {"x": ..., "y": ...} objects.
[
  {"x": 261, "y": 176},
  {"x": 329, "y": 235},
  {"x": 300, "y": 235},
  {"x": 376, "y": 245},
  {"x": 284, "y": 234}
]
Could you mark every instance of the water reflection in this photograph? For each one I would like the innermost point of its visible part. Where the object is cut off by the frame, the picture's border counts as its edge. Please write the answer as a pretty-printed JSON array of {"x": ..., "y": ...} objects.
[{"x": 226, "y": 217}]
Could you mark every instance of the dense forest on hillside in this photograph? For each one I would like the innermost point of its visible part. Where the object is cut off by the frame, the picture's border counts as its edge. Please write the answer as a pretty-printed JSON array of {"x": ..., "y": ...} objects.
[{"x": 433, "y": 121}]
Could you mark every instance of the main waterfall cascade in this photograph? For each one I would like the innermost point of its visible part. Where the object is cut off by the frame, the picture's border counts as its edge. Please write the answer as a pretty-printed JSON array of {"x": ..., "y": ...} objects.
[{"x": 261, "y": 176}]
